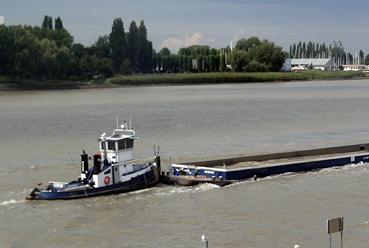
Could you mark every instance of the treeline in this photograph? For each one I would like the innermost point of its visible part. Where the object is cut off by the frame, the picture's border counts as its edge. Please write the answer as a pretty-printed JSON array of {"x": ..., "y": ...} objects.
[
  {"x": 190, "y": 59},
  {"x": 48, "y": 52},
  {"x": 29, "y": 52},
  {"x": 310, "y": 50},
  {"x": 336, "y": 51},
  {"x": 249, "y": 55}
]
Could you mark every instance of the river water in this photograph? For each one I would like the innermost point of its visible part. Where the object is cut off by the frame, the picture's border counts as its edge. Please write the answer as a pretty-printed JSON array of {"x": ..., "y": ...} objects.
[{"x": 42, "y": 134}]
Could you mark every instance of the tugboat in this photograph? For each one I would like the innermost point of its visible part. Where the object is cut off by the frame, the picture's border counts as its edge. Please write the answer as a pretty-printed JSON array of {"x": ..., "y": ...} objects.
[{"x": 114, "y": 171}]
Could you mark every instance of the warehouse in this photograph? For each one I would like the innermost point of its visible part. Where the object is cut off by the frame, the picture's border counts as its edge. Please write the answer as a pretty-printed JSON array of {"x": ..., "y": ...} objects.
[{"x": 312, "y": 64}]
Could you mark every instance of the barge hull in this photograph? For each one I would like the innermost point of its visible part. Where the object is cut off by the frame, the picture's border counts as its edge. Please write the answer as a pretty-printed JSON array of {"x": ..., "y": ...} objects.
[{"x": 242, "y": 168}]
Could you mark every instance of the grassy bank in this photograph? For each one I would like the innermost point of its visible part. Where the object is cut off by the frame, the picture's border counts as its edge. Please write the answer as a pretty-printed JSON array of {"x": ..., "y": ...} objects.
[
  {"x": 182, "y": 79},
  {"x": 230, "y": 77},
  {"x": 6, "y": 85}
]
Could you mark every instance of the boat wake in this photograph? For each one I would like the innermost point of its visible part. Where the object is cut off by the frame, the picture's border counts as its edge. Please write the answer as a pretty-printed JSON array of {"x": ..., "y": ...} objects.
[
  {"x": 170, "y": 190},
  {"x": 361, "y": 224},
  {"x": 11, "y": 202},
  {"x": 364, "y": 223}
]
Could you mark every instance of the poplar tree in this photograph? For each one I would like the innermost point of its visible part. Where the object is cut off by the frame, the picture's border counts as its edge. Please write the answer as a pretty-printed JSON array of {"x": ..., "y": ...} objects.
[
  {"x": 58, "y": 23},
  {"x": 118, "y": 43},
  {"x": 132, "y": 44},
  {"x": 47, "y": 22},
  {"x": 50, "y": 23},
  {"x": 144, "y": 49}
]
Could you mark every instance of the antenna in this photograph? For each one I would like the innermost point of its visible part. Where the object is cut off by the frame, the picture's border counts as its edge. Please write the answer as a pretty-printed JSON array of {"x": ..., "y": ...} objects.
[
  {"x": 116, "y": 118},
  {"x": 130, "y": 122}
]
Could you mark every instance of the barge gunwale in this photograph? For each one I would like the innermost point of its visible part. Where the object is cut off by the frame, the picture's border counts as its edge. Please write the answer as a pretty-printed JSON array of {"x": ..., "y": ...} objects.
[{"x": 319, "y": 153}]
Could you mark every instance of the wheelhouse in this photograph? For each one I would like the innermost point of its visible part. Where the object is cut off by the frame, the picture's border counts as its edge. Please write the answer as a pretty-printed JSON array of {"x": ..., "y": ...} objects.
[{"x": 119, "y": 146}]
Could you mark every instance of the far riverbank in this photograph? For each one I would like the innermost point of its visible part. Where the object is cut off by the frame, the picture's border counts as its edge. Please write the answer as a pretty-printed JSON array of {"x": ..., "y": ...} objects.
[{"x": 182, "y": 79}]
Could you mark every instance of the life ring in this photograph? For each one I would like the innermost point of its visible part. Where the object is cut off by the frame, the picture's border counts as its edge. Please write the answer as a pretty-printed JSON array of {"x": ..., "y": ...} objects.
[{"x": 107, "y": 180}]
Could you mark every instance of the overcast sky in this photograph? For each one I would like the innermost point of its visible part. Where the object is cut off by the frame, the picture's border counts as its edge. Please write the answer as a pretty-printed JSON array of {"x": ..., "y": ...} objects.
[{"x": 175, "y": 23}]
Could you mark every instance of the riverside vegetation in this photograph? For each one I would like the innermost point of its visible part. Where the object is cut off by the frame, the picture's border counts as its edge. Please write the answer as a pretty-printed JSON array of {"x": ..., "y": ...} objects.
[{"x": 47, "y": 56}]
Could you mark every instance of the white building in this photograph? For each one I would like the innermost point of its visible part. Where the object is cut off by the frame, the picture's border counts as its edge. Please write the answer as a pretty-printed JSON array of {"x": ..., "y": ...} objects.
[
  {"x": 354, "y": 67},
  {"x": 2, "y": 20},
  {"x": 316, "y": 64}
]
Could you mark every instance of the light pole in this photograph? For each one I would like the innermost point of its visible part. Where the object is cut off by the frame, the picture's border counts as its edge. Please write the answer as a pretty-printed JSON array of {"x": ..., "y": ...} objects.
[{"x": 205, "y": 241}]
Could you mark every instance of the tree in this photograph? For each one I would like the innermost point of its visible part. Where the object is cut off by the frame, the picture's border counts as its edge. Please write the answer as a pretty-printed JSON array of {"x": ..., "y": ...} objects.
[
  {"x": 239, "y": 60},
  {"x": 118, "y": 43},
  {"x": 133, "y": 44},
  {"x": 164, "y": 52},
  {"x": 149, "y": 51},
  {"x": 64, "y": 59},
  {"x": 101, "y": 48},
  {"x": 367, "y": 59},
  {"x": 58, "y": 23},
  {"x": 255, "y": 66},
  {"x": 50, "y": 23},
  {"x": 361, "y": 57},
  {"x": 78, "y": 50},
  {"x": 126, "y": 67},
  {"x": 222, "y": 65},
  {"x": 49, "y": 67},
  {"x": 62, "y": 38},
  {"x": 26, "y": 56},
  {"x": 144, "y": 49},
  {"x": 46, "y": 22},
  {"x": 248, "y": 44},
  {"x": 270, "y": 55},
  {"x": 7, "y": 49}
]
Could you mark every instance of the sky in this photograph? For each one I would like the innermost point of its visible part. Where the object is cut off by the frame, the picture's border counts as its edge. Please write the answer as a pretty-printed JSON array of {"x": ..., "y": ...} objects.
[{"x": 175, "y": 23}]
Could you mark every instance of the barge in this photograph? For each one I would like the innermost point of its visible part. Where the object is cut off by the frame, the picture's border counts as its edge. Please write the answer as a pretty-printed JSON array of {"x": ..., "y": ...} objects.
[
  {"x": 230, "y": 170},
  {"x": 114, "y": 171}
]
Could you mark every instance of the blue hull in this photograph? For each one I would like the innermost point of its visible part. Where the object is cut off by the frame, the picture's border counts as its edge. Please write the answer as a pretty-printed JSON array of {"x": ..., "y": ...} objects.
[
  {"x": 244, "y": 173},
  {"x": 295, "y": 167},
  {"x": 146, "y": 180}
]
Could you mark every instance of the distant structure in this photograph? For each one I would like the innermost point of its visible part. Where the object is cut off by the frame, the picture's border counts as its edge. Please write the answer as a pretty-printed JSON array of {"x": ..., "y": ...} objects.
[
  {"x": 355, "y": 67},
  {"x": 287, "y": 65},
  {"x": 2, "y": 20},
  {"x": 310, "y": 64}
]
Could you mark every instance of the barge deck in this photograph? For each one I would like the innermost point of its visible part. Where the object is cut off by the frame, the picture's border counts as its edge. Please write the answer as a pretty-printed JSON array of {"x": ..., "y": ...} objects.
[{"x": 229, "y": 170}]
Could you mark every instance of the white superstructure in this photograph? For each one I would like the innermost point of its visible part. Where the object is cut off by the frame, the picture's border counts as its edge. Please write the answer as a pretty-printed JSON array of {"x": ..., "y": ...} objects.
[
  {"x": 116, "y": 153},
  {"x": 316, "y": 64},
  {"x": 118, "y": 147}
]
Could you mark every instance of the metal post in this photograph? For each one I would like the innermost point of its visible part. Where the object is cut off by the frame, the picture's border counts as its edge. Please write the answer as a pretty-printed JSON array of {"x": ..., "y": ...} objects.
[
  {"x": 205, "y": 241},
  {"x": 342, "y": 239}
]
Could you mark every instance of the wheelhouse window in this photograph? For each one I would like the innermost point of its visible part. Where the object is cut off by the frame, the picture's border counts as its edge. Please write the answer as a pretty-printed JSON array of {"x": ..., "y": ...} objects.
[
  {"x": 129, "y": 143},
  {"x": 111, "y": 145},
  {"x": 102, "y": 145},
  {"x": 125, "y": 144},
  {"x": 121, "y": 144}
]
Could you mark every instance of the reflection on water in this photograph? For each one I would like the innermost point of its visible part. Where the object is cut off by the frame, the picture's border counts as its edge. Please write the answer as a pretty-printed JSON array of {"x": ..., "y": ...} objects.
[{"x": 39, "y": 129}]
